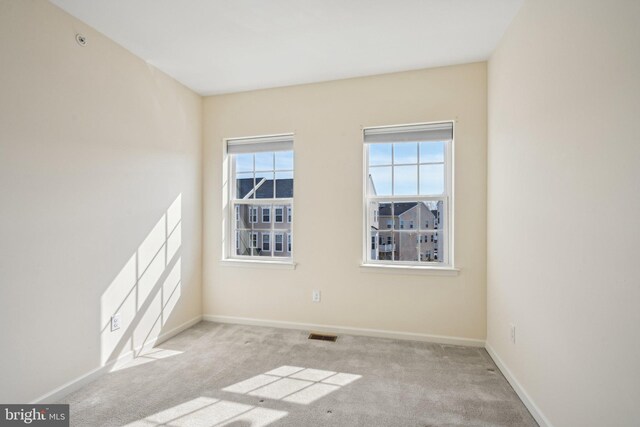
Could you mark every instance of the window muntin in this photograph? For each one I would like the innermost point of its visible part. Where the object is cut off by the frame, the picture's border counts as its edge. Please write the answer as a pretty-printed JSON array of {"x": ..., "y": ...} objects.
[
  {"x": 408, "y": 195},
  {"x": 260, "y": 189}
]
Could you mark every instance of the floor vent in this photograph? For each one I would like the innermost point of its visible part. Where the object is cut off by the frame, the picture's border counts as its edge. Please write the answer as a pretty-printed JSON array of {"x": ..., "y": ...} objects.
[{"x": 322, "y": 337}]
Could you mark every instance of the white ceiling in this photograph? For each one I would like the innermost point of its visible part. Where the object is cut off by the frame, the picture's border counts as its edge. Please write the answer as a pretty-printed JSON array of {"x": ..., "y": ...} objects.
[{"x": 220, "y": 46}]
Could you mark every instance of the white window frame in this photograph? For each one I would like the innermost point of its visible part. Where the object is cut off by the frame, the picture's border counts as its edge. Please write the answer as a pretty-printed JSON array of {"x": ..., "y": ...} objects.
[
  {"x": 233, "y": 204},
  {"x": 289, "y": 242},
  {"x": 447, "y": 231},
  {"x": 289, "y": 214}
]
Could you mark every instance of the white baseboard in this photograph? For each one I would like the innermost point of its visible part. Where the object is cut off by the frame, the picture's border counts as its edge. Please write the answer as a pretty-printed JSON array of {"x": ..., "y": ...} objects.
[
  {"x": 440, "y": 339},
  {"x": 73, "y": 385},
  {"x": 520, "y": 391}
]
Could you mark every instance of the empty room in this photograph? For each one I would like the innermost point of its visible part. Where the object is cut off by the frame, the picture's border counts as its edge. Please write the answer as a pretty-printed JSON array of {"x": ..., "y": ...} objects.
[{"x": 301, "y": 213}]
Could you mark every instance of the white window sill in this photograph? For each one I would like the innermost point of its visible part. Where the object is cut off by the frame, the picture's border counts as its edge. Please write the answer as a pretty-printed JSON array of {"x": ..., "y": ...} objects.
[
  {"x": 251, "y": 263},
  {"x": 410, "y": 269}
]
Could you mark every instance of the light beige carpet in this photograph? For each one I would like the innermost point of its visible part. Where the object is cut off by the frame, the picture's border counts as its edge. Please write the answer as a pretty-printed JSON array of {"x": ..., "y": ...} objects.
[{"x": 241, "y": 376}]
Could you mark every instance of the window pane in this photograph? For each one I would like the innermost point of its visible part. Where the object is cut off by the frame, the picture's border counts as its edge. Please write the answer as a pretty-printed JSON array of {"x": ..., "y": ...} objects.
[
  {"x": 284, "y": 185},
  {"x": 430, "y": 215},
  {"x": 405, "y": 152},
  {"x": 379, "y": 154},
  {"x": 431, "y": 152},
  {"x": 381, "y": 178},
  {"x": 405, "y": 180},
  {"x": 244, "y": 184},
  {"x": 284, "y": 160},
  {"x": 431, "y": 179},
  {"x": 407, "y": 246},
  {"x": 264, "y": 161},
  {"x": 244, "y": 162},
  {"x": 264, "y": 185}
]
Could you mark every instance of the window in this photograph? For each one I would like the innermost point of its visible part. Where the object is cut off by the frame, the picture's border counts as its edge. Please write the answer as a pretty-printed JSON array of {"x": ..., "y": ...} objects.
[
  {"x": 260, "y": 177},
  {"x": 289, "y": 241},
  {"x": 279, "y": 242},
  {"x": 279, "y": 214},
  {"x": 409, "y": 187},
  {"x": 266, "y": 215}
]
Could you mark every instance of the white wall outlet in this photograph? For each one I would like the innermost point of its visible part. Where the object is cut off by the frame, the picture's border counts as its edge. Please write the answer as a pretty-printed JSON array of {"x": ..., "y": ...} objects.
[
  {"x": 315, "y": 295},
  {"x": 115, "y": 322},
  {"x": 512, "y": 333}
]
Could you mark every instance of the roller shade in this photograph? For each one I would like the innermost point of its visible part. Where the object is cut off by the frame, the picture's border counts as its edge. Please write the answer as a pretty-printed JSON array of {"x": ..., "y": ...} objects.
[
  {"x": 413, "y": 133},
  {"x": 259, "y": 144}
]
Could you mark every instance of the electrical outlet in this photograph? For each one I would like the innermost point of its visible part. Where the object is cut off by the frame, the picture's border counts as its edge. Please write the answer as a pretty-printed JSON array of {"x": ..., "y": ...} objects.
[
  {"x": 115, "y": 322},
  {"x": 512, "y": 333},
  {"x": 315, "y": 295}
]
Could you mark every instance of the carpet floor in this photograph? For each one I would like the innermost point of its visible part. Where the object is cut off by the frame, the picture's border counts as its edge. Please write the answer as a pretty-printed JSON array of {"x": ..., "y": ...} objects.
[{"x": 244, "y": 376}]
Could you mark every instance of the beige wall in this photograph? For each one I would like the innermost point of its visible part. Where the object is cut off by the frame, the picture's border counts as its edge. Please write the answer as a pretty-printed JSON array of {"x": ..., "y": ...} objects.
[
  {"x": 564, "y": 206},
  {"x": 100, "y": 178},
  {"x": 327, "y": 119}
]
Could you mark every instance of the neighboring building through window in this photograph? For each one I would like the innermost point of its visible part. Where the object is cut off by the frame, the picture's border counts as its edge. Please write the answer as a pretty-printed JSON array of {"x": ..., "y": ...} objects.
[
  {"x": 260, "y": 177},
  {"x": 409, "y": 190}
]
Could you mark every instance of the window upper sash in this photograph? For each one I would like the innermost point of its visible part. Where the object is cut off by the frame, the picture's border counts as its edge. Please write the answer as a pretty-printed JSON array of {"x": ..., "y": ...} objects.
[
  {"x": 260, "y": 144},
  {"x": 409, "y": 133}
]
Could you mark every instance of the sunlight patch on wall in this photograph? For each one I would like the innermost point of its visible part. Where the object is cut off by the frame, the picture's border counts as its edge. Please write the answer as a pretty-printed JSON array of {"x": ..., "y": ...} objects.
[{"x": 146, "y": 290}]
